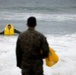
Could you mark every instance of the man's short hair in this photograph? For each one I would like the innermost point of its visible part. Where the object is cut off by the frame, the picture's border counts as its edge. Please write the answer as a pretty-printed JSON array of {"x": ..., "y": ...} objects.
[
  {"x": 9, "y": 24},
  {"x": 31, "y": 22}
]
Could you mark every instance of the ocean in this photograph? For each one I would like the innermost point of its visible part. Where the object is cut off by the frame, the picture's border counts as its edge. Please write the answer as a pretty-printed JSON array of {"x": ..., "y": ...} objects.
[
  {"x": 53, "y": 17},
  {"x": 56, "y": 19}
]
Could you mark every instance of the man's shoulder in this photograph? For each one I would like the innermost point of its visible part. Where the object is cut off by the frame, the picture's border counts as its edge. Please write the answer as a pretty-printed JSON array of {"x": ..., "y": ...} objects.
[
  {"x": 36, "y": 33},
  {"x": 39, "y": 33}
]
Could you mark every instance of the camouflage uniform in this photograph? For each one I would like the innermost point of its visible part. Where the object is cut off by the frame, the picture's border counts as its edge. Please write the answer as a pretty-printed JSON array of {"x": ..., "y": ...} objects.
[{"x": 28, "y": 52}]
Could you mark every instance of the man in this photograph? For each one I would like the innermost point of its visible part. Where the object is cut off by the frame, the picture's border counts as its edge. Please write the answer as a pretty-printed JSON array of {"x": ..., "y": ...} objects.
[
  {"x": 31, "y": 48},
  {"x": 9, "y": 30}
]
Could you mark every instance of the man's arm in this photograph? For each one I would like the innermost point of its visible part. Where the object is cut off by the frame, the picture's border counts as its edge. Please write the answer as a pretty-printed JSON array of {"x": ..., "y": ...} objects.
[
  {"x": 18, "y": 54},
  {"x": 45, "y": 48},
  {"x": 16, "y": 31},
  {"x": 2, "y": 32}
]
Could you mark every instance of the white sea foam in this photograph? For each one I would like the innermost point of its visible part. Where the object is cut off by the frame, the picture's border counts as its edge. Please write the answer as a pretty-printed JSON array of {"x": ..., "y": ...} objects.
[
  {"x": 65, "y": 47},
  {"x": 43, "y": 16}
]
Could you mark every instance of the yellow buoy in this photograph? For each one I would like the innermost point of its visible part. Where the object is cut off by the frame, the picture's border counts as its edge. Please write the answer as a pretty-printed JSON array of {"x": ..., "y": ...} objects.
[{"x": 52, "y": 58}]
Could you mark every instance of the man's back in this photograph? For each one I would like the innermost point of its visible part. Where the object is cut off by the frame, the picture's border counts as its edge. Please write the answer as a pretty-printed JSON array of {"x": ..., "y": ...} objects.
[{"x": 30, "y": 44}]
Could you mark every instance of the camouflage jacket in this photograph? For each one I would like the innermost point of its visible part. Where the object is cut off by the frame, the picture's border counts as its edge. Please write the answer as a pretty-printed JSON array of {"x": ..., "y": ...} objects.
[{"x": 29, "y": 46}]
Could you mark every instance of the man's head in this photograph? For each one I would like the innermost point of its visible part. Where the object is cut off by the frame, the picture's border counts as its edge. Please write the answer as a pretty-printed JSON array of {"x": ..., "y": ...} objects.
[
  {"x": 31, "y": 22},
  {"x": 9, "y": 26}
]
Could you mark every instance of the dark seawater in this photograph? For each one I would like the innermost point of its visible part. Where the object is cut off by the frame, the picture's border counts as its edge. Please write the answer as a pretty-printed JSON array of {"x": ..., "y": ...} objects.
[{"x": 54, "y": 17}]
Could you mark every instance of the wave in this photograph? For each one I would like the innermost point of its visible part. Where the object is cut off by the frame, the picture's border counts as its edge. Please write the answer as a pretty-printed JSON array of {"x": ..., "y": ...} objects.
[
  {"x": 61, "y": 41},
  {"x": 51, "y": 9},
  {"x": 40, "y": 16}
]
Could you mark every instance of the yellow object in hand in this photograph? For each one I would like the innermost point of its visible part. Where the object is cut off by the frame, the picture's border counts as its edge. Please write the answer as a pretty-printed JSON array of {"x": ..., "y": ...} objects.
[{"x": 52, "y": 58}]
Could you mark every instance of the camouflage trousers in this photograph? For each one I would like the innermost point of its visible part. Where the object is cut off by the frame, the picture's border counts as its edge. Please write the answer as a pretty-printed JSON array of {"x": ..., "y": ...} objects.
[{"x": 33, "y": 70}]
